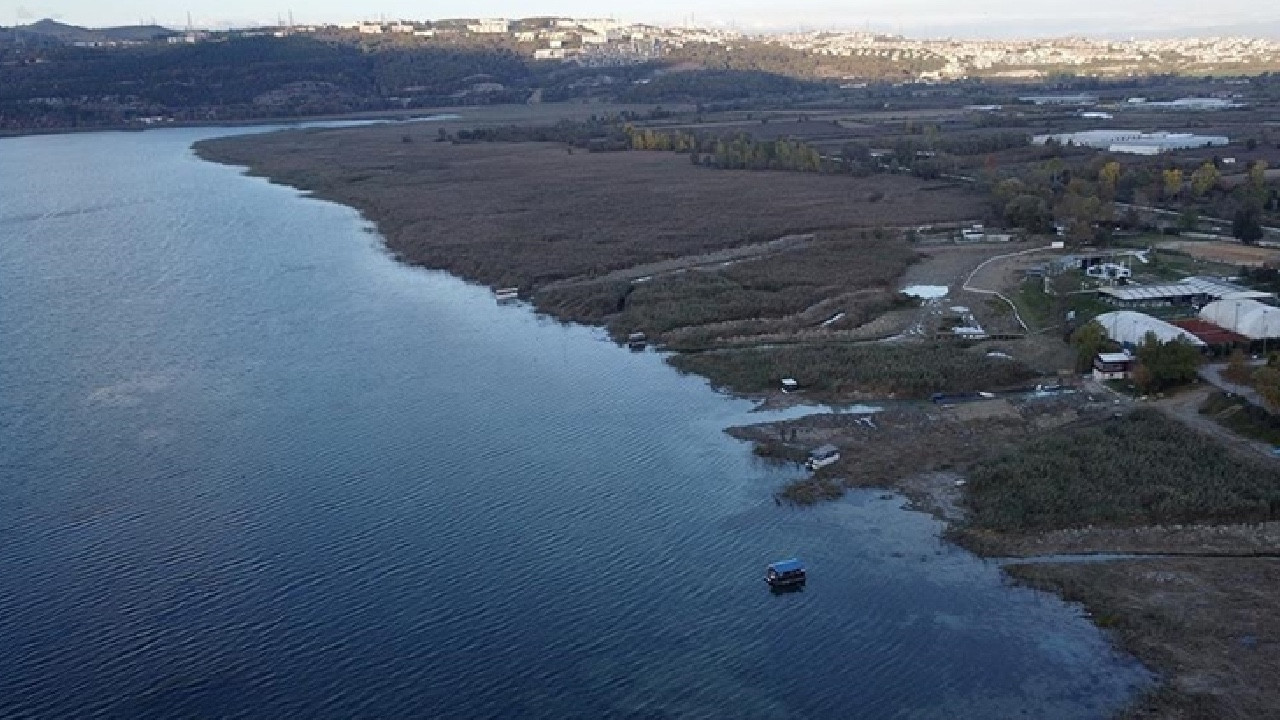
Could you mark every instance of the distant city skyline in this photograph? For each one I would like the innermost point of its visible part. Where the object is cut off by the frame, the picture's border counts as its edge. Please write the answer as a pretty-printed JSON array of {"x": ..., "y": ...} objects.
[{"x": 933, "y": 18}]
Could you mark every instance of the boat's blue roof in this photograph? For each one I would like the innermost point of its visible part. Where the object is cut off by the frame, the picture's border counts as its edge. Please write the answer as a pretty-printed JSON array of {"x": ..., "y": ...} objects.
[{"x": 788, "y": 565}]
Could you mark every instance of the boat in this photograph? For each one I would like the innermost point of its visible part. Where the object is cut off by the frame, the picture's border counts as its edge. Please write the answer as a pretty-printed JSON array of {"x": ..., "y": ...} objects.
[
  {"x": 509, "y": 294},
  {"x": 785, "y": 573},
  {"x": 637, "y": 341},
  {"x": 789, "y": 385},
  {"x": 822, "y": 457}
]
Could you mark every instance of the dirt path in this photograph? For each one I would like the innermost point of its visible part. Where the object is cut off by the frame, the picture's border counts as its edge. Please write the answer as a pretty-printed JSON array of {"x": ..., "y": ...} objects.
[
  {"x": 1185, "y": 407},
  {"x": 649, "y": 271}
]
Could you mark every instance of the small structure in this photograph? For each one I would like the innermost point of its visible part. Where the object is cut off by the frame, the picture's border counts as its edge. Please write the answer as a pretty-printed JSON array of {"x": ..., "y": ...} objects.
[
  {"x": 822, "y": 457},
  {"x": 1059, "y": 99},
  {"x": 637, "y": 341},
  {"x": 789, "y": 385},
  {"x": 1109, "y": 271},
  {"x": 1112, "y": 366},
  {"x": 785, "y": 573},
  {"x": 508, "y": 294}
]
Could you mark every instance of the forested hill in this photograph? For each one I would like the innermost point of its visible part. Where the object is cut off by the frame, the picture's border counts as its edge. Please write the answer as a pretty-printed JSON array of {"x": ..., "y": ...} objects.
[
  {"x": 60, "y": 85},
  {"x": 247, "y": 78}
]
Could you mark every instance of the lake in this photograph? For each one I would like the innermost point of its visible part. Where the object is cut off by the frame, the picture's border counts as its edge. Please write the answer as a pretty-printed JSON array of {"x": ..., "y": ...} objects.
[{"x": 251, "y": 466}]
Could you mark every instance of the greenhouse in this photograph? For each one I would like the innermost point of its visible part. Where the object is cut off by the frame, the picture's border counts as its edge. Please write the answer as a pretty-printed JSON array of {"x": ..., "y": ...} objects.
[
  {"x": 1249, "y": 318},
  {"x": 1130, "y": 328}
]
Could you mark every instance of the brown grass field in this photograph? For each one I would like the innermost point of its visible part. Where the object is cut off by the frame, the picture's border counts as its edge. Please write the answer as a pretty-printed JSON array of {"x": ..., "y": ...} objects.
[
  {"x": 528, "y": 214},
  {"x": 1210, "y": 624},
  {"x": 1226, "y": 253}
]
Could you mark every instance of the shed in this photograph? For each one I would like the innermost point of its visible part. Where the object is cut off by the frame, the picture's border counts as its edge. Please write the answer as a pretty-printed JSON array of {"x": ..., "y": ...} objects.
[{"x": 1112, "y": 366}]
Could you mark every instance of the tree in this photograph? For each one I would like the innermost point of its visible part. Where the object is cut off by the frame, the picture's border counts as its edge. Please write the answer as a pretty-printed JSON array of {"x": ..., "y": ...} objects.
[
  {"x": 1258, "y": 175},
  {"x": 1204, "y": 179},
  {"x": 1089, "y": 340},
  {"x": 1169, "y": 364},
  {"x": 1188, "y": 219},
  {"x": 1238, "y": 370},
  {"x": 1079, "y": 213},
  {"x": 1029, "y": 212},
  {"x": 1246, "y": 224},
  {"x": 1267, "y": 381},
  {"x": 1172, "y": 183},
  {"x": 1108, "y": 178}
]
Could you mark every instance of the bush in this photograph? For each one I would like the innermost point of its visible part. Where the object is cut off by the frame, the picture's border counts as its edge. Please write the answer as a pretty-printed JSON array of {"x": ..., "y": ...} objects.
[
  {"x": 1143, "y": 469},
  {"x": 915, "y": 370}
]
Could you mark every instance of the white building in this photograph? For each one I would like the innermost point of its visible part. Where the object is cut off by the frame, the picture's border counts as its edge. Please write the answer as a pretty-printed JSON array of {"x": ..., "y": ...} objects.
[
  {"x": 1244, "y": 316},
  {"x": 1131, "y": 328},
  {"x": 1133, "y": 141},
  {"x": 492, "y": 26}
]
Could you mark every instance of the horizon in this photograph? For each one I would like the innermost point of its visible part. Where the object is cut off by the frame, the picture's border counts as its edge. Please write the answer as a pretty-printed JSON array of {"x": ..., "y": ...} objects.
[{"x": 925, "y": 19}]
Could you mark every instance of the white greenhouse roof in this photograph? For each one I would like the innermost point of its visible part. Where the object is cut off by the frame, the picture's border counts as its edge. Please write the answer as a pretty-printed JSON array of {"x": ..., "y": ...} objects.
[
  {"x": 1130, "y": 328},
  {"x": 1247, "y": 317},
  {"x": 1191, "y": 286}
]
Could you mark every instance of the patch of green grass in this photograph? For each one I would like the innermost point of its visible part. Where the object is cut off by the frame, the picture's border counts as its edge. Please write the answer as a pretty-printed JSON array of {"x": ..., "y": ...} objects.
[
  {"x": 1144, "y": 469},
  {"x": 1035, "y": 306}
]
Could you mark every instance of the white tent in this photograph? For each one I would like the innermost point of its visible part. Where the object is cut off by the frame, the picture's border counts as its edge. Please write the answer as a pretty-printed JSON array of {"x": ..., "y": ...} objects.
[
  {"x": 1247, "y": 317},
  {"x": 1130, "y": 328}
]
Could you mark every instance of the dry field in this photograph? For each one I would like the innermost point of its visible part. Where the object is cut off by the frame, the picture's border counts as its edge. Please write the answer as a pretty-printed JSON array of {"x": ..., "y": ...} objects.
[
  {"x": 1212, "y": 625},
  {"x": 1226, "y": 253},
  {"x": 529, "y": 214}
]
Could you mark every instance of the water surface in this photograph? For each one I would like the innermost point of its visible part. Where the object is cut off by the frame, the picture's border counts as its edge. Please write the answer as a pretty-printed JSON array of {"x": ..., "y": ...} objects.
[{"x": 252, "y": 467}]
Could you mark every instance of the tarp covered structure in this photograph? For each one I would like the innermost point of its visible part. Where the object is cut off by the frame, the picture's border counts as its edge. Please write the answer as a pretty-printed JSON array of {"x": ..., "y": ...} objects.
[
  {"x": 1247, "y": 317},
  {"x": 1130, "y": 328}
]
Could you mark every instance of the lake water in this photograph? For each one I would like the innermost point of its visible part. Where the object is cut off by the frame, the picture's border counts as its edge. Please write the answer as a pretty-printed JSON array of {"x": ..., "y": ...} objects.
[{"x": 252, "y": 467}]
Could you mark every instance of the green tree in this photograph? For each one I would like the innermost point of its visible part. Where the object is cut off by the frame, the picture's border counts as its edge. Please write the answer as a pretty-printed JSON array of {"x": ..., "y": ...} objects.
[
  {"x": 1246, "y": 224},
  {"x": 1204, "y": 179},
  {"x": 1029, "y": 212},
  {"x": 1168, "y": 363},
  {"x": 1188, "y": 219},
  {"x": 1089, "y": 340}
]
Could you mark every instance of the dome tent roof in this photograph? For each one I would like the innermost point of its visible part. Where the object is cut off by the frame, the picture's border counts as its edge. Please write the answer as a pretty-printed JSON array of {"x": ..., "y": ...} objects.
[
  {"x": 1247, "y": 317},
  {"x": 1130, "y": 328}
]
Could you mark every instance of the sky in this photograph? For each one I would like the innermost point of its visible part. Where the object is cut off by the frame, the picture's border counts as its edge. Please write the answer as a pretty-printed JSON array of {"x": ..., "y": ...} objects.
[{"x": 967, "y": 18}]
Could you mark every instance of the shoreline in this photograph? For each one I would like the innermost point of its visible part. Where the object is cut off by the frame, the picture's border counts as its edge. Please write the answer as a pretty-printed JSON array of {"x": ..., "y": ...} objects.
[{"x": 935, "y": 490}]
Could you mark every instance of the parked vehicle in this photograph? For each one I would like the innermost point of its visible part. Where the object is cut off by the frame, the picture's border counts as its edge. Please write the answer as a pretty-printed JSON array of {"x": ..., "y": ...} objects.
[{"x": 822, "y": 457}]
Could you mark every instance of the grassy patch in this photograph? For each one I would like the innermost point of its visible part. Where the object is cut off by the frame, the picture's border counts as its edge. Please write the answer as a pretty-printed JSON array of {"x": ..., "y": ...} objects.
[
  {"x": 910, "y": 370},
  {"x": 775, "y": 287},
  {"x": 812, "y": 490},
  {"x": 1144, "y": 469},
  {"x": 1035, "y": 306},
  {"x": 1242, "y": 417}
]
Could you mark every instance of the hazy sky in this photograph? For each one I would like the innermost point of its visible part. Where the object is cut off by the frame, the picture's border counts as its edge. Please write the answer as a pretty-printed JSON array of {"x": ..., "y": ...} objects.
[{"x": 932, "y": 17}]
